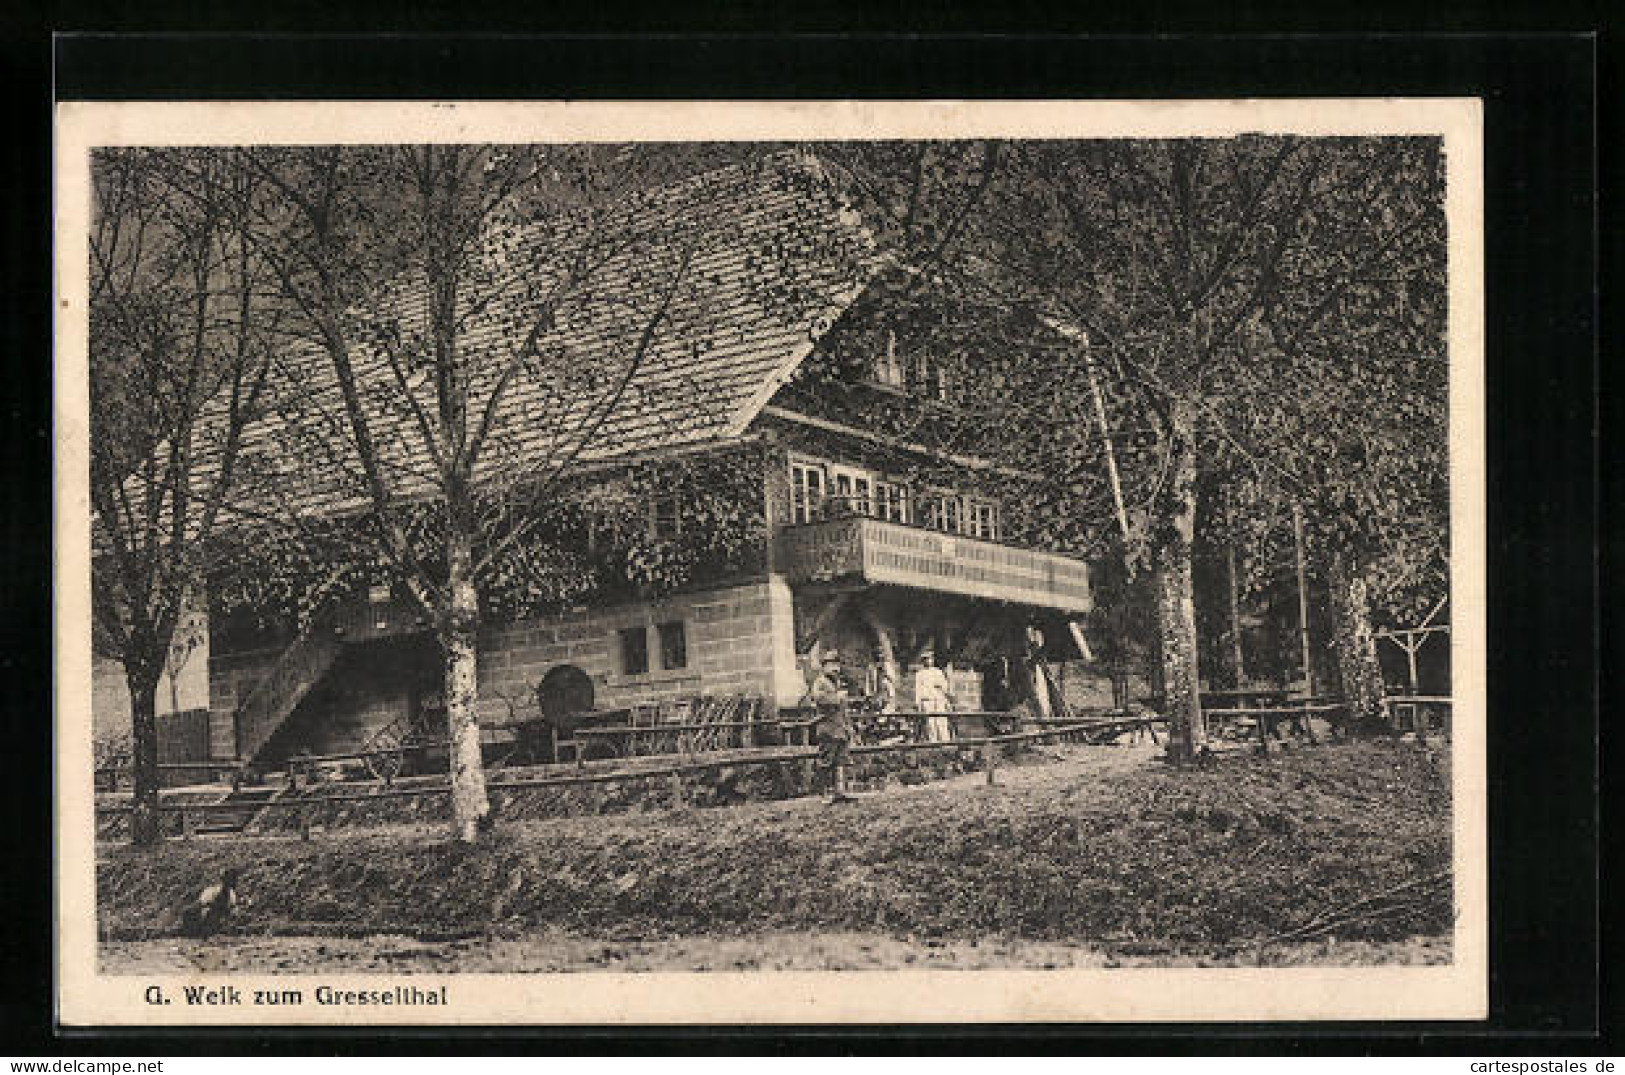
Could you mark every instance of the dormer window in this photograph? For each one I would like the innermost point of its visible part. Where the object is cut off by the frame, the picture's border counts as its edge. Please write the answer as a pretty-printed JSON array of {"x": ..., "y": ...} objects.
[
  {"x": 940, "y": 380},
  {"x": 379, "y": 596},
  {"x": 665, "y": 517},
  {"x": 888, "y": 368}
]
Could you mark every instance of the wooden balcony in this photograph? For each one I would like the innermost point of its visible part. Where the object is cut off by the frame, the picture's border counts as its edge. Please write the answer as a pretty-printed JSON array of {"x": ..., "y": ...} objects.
[{"x": 892, "y": 554}]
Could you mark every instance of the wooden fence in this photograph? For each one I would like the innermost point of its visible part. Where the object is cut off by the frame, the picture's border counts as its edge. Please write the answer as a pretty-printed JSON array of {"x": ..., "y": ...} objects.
[{"x": 987, "y": 745}]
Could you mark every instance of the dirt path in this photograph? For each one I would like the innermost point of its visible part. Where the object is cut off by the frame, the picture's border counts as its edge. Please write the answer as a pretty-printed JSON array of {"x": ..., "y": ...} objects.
[{"x": 764, "y": 952}]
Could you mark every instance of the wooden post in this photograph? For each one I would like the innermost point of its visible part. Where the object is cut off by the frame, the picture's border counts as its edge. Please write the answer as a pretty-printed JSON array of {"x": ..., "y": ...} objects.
[
  {"x": 1303, "y": 602},
  {"x": 1412, "y": 644},
  {"x": 678, "y": 800},
  {"x": 186, "y": 823},
  {"x": 990, "y": 753}
]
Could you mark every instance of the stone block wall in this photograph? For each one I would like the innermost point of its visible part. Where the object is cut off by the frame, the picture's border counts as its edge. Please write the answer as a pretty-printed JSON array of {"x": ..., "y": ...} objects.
[
  {"x": 231, "y": 677},
  {"x": 740, "y": 640}
]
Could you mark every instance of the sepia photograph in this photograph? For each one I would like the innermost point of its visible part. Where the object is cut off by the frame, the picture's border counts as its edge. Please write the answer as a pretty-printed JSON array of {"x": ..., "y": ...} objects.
[{"x": 674, "y": 563}]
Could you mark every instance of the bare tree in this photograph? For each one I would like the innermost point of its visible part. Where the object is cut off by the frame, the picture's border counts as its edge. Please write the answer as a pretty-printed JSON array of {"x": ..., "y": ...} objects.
[
  {"x": 178, "y": 345},
  {"x": 1167, "y": 258},
  {"x": 482, "y": 320}
]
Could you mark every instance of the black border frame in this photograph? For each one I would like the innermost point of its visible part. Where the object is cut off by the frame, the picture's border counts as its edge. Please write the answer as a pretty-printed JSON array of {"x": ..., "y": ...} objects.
[{"x": 1543, "y": 402}]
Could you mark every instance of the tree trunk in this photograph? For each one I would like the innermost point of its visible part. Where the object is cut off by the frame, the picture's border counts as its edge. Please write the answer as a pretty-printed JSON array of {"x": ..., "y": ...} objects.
[
  {"x": 146, "y": 827},
  {"x": 1173, "y": 534},
  {"x": 1306, "y": 654},
  {"x": 459, "y": 634},
  {"x": 1356, "y": 645},
  {"x": 1238, "y": 662},
  {"x": 1038, "y": 686},
  {"x": 890, "y": 672}
]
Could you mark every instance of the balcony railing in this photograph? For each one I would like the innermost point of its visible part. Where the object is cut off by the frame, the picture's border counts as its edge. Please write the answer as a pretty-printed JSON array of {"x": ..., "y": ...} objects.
[{"x": 895, "y": 554}]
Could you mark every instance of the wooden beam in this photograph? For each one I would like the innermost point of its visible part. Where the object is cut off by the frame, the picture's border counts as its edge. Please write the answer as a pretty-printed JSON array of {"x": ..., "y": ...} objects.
[
  {"x": 1105, "y": 437},
  {"x": 969, "y": 462},
  {"x": 825, "y": 617}
]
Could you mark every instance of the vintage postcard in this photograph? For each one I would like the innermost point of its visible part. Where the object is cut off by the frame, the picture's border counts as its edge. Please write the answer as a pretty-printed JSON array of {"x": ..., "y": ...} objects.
[{"x": 729, "y": 562}]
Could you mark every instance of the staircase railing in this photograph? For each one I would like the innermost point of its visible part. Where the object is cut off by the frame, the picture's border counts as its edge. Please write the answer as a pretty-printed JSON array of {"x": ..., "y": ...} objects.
[{"x": 299, "y": 668}]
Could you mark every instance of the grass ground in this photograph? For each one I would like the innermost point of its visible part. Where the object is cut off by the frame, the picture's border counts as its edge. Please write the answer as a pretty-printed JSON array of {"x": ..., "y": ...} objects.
[{"x": 1101, "y": 857}]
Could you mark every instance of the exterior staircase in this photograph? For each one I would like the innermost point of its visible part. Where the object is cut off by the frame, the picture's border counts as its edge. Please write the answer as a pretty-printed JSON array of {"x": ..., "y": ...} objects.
[
  {"x": 249, "y": 804},
  {"x": 301, "y": 666}
]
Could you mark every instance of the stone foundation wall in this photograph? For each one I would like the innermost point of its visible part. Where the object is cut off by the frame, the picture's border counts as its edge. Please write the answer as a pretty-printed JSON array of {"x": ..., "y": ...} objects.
[{"x": 739, "y": 640}]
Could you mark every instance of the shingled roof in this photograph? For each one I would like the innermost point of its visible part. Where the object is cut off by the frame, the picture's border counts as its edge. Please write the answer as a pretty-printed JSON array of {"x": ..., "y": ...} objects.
[{"x": 739, "y": 271}]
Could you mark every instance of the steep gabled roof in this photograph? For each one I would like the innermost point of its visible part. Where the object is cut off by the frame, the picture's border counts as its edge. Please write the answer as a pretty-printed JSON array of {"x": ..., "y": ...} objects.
[{"x": 738, "y": 271}]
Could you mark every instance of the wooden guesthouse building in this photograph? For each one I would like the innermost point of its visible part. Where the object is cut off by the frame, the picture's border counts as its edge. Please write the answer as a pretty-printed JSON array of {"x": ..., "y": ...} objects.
[{"x": 851, "y": 529}]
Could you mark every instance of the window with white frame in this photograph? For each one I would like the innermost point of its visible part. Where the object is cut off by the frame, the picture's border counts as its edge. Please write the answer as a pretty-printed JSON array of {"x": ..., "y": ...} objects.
[
  {"x": 942, "y": 511},
  {"x": 983, "y": 519},
  {"x": 807, "y": 488},
  {"x": 853, "y": 490},
  {"x": 891, "y": 502}
]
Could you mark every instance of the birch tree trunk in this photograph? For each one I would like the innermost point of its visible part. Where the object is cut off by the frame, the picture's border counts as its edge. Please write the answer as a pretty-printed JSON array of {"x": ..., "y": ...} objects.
[
  {"x": 1356, "y": 645},
  {"x": 459, "y": 639},
  {"x": 1173, "y": 538},
  {"x": 146, "y": 828}
]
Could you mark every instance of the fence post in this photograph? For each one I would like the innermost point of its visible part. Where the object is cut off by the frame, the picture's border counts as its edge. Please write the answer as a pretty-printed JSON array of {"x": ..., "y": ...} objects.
[
  {"x": 186, "y": 823},
  {"x": 678, "y": 799},
  {"x": 990, "y": 753}
]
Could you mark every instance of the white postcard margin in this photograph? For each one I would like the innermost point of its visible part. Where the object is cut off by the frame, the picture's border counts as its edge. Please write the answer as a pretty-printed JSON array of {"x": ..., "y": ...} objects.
[{"x": 1458, "y": 991}]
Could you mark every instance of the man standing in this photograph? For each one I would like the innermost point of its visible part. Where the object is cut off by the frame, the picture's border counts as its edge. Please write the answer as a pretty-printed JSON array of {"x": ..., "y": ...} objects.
[
  {"x": 931, "y": 695},
  {"x": 834, "y": 725}
]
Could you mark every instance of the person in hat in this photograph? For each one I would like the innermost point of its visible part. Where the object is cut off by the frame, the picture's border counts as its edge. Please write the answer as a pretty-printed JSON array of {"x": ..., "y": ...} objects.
[{"x": 834, "y": 725}]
